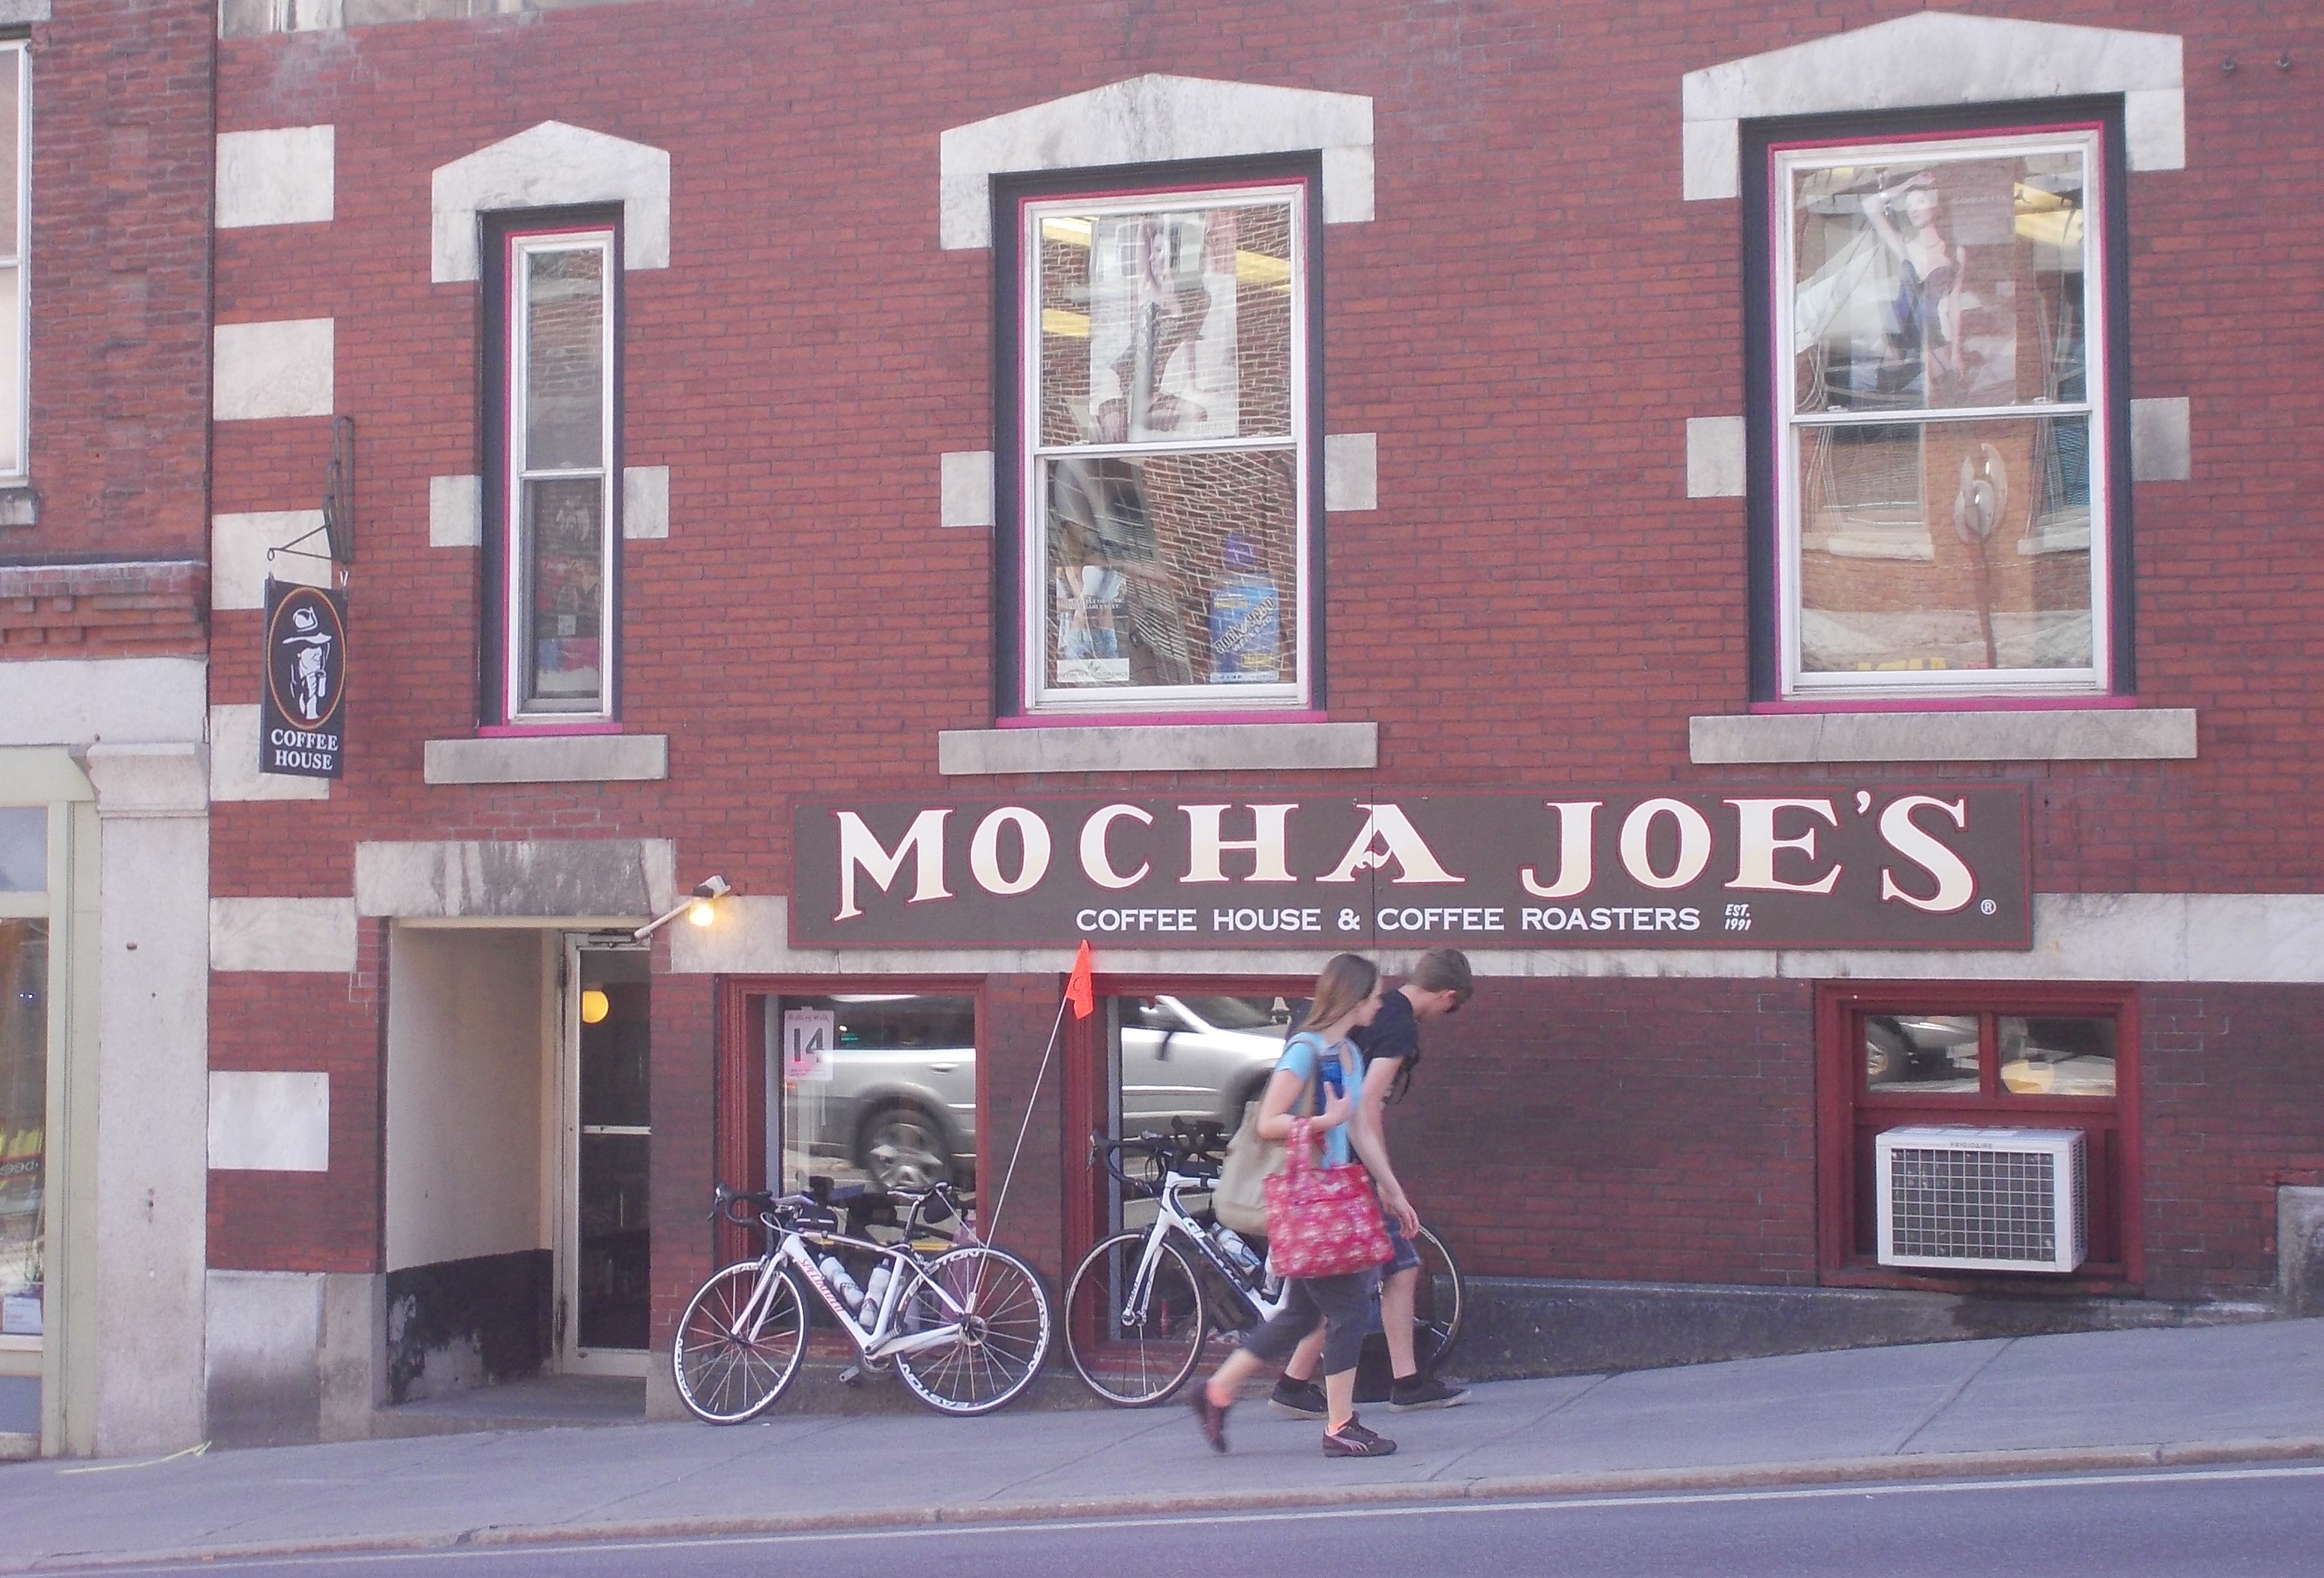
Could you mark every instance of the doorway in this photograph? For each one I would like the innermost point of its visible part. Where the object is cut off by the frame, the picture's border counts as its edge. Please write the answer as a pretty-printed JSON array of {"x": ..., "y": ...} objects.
[{"x": 605, "y": 1290}]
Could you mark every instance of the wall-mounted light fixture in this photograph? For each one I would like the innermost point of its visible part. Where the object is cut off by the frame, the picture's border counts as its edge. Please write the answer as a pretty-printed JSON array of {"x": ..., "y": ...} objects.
[
  {"x": 595, "y": 1005},
  {"x": 700, "y": 906}
]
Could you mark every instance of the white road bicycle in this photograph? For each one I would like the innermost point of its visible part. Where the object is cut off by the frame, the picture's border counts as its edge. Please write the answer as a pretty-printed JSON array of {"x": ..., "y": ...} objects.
[
  {"x": 967, "y": 1330},
  {"x": 1143, "y": 1303}
]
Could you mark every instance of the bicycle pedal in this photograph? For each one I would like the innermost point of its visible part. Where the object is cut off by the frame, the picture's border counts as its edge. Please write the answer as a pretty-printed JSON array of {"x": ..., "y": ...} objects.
[{"x": 852, "y": 1376}]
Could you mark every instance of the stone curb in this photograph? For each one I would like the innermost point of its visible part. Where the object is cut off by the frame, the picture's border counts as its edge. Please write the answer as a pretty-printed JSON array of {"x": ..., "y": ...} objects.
[{"x": 1607, "y": 1483}]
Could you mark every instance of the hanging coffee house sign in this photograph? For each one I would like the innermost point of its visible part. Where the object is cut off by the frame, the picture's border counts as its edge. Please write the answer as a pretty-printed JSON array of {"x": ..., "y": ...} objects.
[
  {"x": 1878, "y": 866},
  {"x": 303, "y": 703}
]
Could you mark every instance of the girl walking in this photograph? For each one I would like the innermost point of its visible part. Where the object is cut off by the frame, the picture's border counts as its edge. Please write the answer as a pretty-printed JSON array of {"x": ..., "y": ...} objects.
[{"x": 1321, "y": 1057}]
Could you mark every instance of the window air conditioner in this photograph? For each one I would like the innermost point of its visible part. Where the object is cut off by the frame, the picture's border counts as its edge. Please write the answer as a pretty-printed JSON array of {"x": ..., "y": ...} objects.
[{"x": 1982, "y": 1199}]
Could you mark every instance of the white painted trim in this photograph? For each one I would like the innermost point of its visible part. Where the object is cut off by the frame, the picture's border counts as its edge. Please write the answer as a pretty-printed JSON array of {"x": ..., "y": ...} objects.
[
  {"x": 283, "y": 935},
  {"x": 1351, "y": 473},
  {"x": 645, "y": 504},
  {"x": 281, "y": 176},
  {"x": 266, "y": 370},
  {"x": 1715, "y": 466},
  {"x": 1155, "y": 119},
  {"x": 548, "y": 758},
  {"x": 2276, "y": 938},
  {"x": 560, "y": 879},
  {"x": 233, "y": 761},
  {"x": 270, "y": 1121},
  {"x": 71, "y": 701},
  {"x": 2064, "y": 735},
  {"x": 551, "y": 165},
  {"x": 1935, "y": 58},
  {"x": 964, "y": 488},
  {"x": 148, "y": 781},
  {"x": 2161, "y": 440},
  {"x": 455, "y": 512},
  {"x": 1158, "y": 748},
  {"x": 238, "y": 563}
]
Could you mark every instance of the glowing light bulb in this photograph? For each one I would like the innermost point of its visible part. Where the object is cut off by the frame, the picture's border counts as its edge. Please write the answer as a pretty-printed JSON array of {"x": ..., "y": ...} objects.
[
  {"x": 594, "y": 1006},
  {"x": 702, "y": 912}
]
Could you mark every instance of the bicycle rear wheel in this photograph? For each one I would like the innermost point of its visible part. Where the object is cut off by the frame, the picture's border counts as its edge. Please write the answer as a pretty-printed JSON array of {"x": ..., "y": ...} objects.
[
  {"x": 1439, "y": 1302},
  {"x": 727, "y": 1369},
  {"x": 1004, "y": 1332},
  {"x": 1135, "y": 1362}
]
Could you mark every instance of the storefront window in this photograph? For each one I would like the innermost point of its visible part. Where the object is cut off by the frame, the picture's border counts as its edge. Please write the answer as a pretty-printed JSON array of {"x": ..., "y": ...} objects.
[
  {"x": 1188, "y": 1062},
  {"x": 1166, "y": 559},
  {"x": 874, "y": 1092},
  {"x": 1942, "y": 397},
  {"x": 23, "y": 1114},
  {"x": 24, "y": 849},
  {"x": 614, "y": 1286}
]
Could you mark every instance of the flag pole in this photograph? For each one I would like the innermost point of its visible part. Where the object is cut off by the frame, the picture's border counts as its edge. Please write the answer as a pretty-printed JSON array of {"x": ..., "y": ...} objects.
[{"x": 1077, "y": 998}]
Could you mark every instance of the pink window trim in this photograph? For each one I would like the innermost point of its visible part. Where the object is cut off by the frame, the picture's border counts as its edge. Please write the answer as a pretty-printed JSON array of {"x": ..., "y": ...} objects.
[
  {"x": 1955, "y": 704},
  {"x": 1150, "y": 719},
  {"x": 522, "y": 731}
]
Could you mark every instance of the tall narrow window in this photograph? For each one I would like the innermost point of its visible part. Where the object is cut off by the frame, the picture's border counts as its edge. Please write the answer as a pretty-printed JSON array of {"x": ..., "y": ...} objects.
[
  {"x": 559, "y": 506},
  {"x": 15, "y": 160},
  {"x": 1942, "y": 392},
  {"x": 1165, "y": 554},
  {"x": 24, "y": 978}
]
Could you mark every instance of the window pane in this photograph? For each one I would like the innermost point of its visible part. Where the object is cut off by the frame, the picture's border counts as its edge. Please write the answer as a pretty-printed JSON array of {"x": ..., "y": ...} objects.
[
  {"x": 23, "y": 1120},
  {"x": 1180, "y": 569},
  {"x": 1166, "y": 324},
  {"x": 24, "y": 849},
  {"x": 12, "y": 370},
  {"x": 1925, "y": 283},
  {"x": 1191, "y": 1061},
  {"x": 12, "y": 66},
  {"x": 1945, "y": 546},
  {"x": 883, "y": 1096},
  {"x": 565, "y": 360},
  {"x": 1922, "y": 1053},
  {"x": 614, "y": 1263},
  {"x": 2057, "y": 1057},
  {"x": 565, "y": 580}
]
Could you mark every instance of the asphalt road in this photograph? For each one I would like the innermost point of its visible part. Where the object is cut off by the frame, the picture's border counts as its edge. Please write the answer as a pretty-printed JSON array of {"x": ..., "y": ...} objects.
[{"x": 2257, "y": 1520}]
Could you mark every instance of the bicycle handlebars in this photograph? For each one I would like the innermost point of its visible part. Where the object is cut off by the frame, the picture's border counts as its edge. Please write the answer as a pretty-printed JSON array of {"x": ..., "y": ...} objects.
[{"x": 1187, "y": 1149}]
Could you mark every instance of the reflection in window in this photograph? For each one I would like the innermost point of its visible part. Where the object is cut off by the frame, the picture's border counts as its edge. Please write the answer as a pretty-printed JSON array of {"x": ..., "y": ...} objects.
[
  {"x": 1941, "y": 498},
  {"x": 2057, "y": 1057},
  {"x": 23, "y": 1122},
  {"x": 24, "y": 849},
  {"x": 1925, "y": 1054},
  {"x": 1191, "y": 1064},
  {"x": 874, "y": 1092},
  {"x": 1166, "y": 557}
]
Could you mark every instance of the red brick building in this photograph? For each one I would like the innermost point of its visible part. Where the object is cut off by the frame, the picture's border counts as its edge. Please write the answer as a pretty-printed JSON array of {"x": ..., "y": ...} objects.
[{"x": 1775, "y": 531}]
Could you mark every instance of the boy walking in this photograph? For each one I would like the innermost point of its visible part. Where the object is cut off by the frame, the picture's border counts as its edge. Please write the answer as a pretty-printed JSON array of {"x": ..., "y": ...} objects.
[{"x": 1440, "y": 982}]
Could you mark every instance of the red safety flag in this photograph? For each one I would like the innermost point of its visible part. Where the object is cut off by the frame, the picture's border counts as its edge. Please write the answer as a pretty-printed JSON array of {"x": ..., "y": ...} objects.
[{"x": 1077, "y": 989}]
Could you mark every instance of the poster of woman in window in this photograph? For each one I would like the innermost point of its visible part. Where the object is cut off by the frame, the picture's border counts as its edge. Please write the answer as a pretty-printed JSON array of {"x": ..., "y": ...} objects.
[
  {"x": 1162, "y": 327},
  {"x": 1941, "y": 284}
]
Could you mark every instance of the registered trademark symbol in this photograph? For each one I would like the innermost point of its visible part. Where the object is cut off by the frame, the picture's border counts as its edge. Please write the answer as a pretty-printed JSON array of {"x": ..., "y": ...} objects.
[{"x": 1986, "y": 907}]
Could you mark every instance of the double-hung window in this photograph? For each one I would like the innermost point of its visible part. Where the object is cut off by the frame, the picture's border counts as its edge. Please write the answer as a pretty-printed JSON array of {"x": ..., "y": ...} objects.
[
  {"x": 15, "y": 161},
  {"x": 560, "y": 536},
  {"x": 1943, "y": 475},
  {"x": 1164, "y": 467}
]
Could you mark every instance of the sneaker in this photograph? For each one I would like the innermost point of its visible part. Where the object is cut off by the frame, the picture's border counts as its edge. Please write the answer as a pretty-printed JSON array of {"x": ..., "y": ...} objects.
[
  {"x": 1302, "y": 1400},
  {"x": 1353, "y": 1440},
  {"x": 1423, "y": 1391},
  {"x": 1211, "y": 1416}
]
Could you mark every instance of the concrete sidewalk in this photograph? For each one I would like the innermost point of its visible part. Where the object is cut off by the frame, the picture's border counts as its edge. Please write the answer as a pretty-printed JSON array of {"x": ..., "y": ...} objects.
[{"x": 2097, "y": 1399}]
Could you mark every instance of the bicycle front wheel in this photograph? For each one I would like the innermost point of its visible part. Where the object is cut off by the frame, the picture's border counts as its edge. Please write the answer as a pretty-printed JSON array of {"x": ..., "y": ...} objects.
[
  {"x": 1439, "y": 1301},
  {"x": 1004, "y": 1332},
  {"x": 735, "y": 1353},
  {"x": 1135, "y": 1359}
]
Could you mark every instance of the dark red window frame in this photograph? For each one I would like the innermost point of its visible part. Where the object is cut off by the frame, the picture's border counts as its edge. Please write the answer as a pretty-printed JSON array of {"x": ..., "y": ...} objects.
[{"x": 1848, "y": 1114}]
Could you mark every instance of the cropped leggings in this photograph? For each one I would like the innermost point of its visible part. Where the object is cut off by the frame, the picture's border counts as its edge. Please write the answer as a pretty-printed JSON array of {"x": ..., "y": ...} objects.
[{"x": 1343, "y": 1305}]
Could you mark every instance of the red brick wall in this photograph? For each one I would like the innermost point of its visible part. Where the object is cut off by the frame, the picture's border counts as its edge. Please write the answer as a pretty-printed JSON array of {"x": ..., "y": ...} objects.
[
  {"x": 122, "y": 153},
  {"x": 142, "y": 609},
  {"x": 1526, "y": 325}
]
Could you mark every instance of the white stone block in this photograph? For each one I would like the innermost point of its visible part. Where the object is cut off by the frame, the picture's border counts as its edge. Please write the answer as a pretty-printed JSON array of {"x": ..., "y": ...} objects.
[
  {"x": 1158, "y": 748},
  {"x": 455, "y": 512},
  {"x": 233, "y": 761},
  {"x": 270, "y": 370},
  {"x": 283, "y": 176},
  {"x": 964, "y": 488},
  {"x": 645, "y": 502},
  {"x": 270, "y": 1123},
  {"x": 70, "y": 701},
  {"x": 1351, "y": 472},
  {"x": 2161, "y": 440},
  {"x": 239, "y": 566},
  {"x": 1715, "y": 466},
  {"x": 551, "y": 165},
  {"x": 2063, "y": 735},
  {"x": 283, "y": 935},
  {"x": 547, "y": 759}
]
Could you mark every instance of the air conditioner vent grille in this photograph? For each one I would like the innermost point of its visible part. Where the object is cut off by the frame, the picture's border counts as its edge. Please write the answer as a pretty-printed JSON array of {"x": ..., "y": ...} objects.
[{"x": 1994, "y": 1199}]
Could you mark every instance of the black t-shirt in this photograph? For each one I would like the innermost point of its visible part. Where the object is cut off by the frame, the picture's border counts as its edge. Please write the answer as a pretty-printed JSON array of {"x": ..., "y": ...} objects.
[{"x": 1393, "y": 1033}]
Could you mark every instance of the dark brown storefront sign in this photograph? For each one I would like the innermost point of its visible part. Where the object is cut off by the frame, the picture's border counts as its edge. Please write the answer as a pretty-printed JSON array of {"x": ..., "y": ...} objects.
[{"x": 1881, "y": 866}]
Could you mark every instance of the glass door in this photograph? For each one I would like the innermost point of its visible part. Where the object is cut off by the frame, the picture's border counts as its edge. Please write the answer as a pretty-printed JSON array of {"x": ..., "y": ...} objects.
[{"x": 607, "y": 1293}]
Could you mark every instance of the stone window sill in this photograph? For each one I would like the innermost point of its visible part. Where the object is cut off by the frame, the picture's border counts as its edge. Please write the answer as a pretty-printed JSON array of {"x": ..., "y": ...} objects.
[
  {"x": 1158, "y": 748},
  {"x": 2099, "y": 734},
  {"x": 19, "y": 506},
  {"x": 549, "y": 759}
]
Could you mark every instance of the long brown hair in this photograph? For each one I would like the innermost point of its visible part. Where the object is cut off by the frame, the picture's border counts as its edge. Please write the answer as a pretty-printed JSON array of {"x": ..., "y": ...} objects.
[{"x": 1341, "y": 989}]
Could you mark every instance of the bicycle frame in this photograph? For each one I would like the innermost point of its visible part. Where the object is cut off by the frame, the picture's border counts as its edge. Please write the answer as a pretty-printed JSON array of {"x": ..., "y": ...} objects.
[
  {"x": 883, "y": 1341},
  {"x": 1174, "y": 1218}
]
